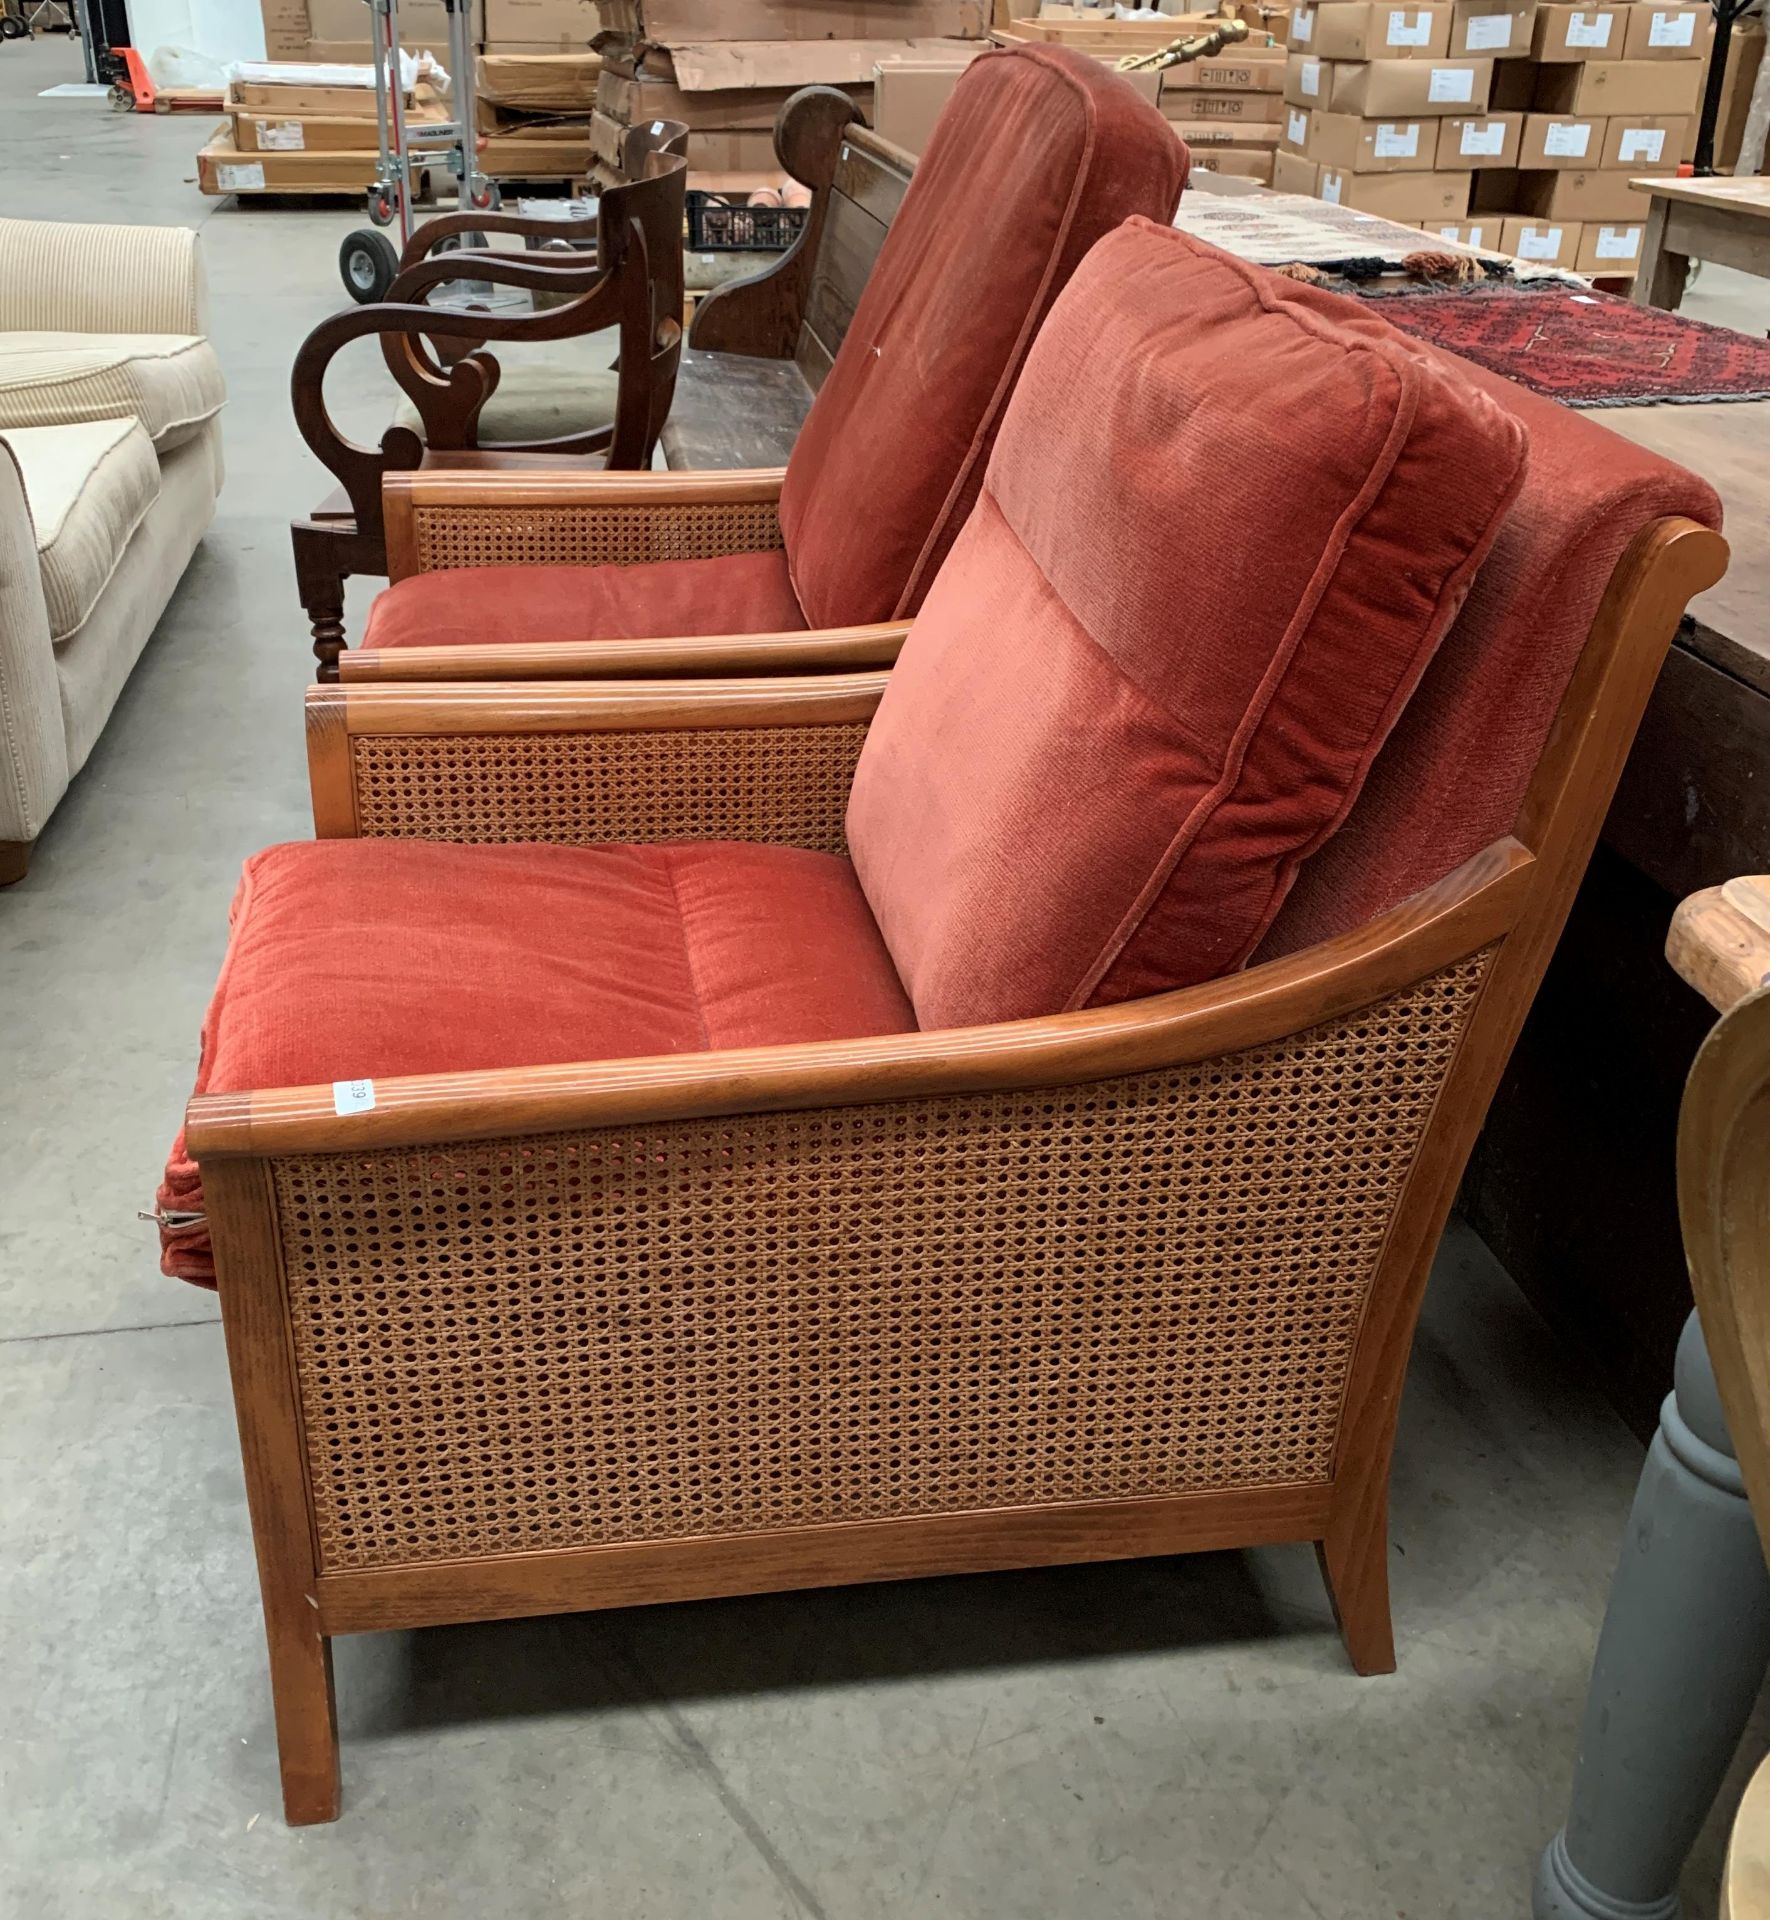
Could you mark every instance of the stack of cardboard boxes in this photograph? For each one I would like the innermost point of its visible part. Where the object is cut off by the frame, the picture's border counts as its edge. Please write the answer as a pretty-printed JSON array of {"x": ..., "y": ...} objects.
[
  {"x": 1512, "y": 125},
  {"x": 1229, "y": 109},
  {"x": 726, "y": 67}
]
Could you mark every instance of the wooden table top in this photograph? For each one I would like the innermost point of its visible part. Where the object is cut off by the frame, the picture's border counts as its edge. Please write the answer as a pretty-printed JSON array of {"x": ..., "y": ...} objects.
[{"x": 1750, "y": 195}]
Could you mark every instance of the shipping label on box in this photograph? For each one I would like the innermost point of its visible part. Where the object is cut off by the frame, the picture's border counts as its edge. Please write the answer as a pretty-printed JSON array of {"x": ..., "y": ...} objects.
[
  {"x": 1487, "y": 140},
  {"x": 1620, "y": 86},
  {"x": 1665, "y": 33},
  {"x": 1383, "y": 88},
  {"x": 1607, "y": 249},
  {"x": 1293, "y": 130},
  {"x": 1350, "y": 145},
  {"x": 1560, "y": 140},
  {"x": 1355, "y": 30},
  {"x": 1306, "y": 80},
  {"x": 1472, "y": 233},
  {"x": 1542, "y": 243},
  {"x": 1644, "y": 140},
  {"x": 1498, "y": 29}
]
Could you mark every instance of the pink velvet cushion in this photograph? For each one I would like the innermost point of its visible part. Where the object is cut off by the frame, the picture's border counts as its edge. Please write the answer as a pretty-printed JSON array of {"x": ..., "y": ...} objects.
[
  {"x": 1122, "y": 720},
  {"x": 1039, "y": 152},
  {"x": 483, "y": 606},
  {"x": 355, "y": 959}
]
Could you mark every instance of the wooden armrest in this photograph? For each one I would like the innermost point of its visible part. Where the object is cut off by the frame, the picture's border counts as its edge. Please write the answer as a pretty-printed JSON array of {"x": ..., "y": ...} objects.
[
  {"x": 763, "y": 760},
  {"x": 1459, "y": 916},
  {"x": 1720, "y": 940},
  {"x": 469, "y": 517},
  {"x": 834, "y": 649},
  {"x": 428, "y": 237}
]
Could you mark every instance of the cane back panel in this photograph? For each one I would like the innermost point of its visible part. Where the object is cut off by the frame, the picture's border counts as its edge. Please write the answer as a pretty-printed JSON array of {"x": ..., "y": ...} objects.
[
  {"x": 785, "y": 786},
  {"x": 1146, "y": 1285},
  {"x": 591, "y": 535}
]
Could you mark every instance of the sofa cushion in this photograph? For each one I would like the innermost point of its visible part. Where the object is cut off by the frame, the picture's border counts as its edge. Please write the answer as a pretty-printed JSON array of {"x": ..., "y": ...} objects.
[
  {"x": 1119, "y": 722},
  {"x": 170, "y": 382},
  {"x": 88, "y": 488},
  {"x": 473, "y": 606},
  {"x": 544, "y": 394},
  {"x": 1039, "y": 152},
  {"x": 353, "y": 959}
]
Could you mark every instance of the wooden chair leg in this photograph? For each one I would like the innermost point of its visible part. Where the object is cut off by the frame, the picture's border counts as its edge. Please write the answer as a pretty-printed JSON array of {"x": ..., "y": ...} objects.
[
  {"x": 305, "y": 1704},
  {"x": 1354, "y": 1560},
  {"x": 15, "y": 860},
  {"x": 319, "y": 579}
]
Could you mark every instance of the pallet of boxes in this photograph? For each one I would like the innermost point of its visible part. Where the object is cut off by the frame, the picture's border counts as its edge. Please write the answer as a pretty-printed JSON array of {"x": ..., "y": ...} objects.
[
  {"x": 1508, "y": 124},
  {"x": 535, "y": 88}
]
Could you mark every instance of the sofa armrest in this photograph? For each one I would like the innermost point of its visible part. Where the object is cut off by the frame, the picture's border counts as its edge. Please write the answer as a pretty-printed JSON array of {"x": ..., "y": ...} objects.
[
  {"x": 637, "y": 761},
  {"x": 829, "y": 650},
  {"x": 480, "y": 517},
  {"x": 66, "y": 277},
  {"x": 34, "y": 774}
]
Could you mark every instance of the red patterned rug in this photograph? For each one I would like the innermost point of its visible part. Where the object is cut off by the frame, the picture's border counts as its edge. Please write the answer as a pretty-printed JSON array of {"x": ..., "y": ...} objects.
[{"x": 1587, "y": 349}]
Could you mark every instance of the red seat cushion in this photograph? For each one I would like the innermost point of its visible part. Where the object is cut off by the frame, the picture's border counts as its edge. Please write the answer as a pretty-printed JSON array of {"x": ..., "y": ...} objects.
[
  {"x": 1120, "y": 721},
  {"x": 1038, "y": 153},
  {"x": 482, "y": 606},
  {"x": 353, "y": 959}
]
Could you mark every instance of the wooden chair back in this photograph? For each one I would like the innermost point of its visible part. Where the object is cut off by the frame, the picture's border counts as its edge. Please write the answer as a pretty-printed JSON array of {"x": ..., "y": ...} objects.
[{"x": 639, "y": 241}]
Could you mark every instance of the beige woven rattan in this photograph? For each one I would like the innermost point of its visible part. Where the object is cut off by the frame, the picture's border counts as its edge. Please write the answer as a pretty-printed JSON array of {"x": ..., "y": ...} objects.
[{"x": 592, "y": 535}]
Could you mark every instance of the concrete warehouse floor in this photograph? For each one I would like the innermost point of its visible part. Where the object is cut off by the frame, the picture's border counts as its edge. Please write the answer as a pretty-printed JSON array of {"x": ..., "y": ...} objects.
[{"x": 1179, "y": 1738}]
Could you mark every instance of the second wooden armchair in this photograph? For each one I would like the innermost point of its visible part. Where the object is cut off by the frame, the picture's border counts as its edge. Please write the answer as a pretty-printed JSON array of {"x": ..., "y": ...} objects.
[{"x": 671, "y": 1140}]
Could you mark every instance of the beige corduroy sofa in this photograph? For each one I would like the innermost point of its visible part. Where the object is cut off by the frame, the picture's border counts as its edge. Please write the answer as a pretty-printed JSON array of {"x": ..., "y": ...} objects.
[{"x": 110, "y": 465}]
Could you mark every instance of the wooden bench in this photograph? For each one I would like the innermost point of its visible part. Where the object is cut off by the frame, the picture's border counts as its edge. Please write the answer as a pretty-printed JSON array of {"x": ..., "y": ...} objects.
[{"x": 760, "y": 346}]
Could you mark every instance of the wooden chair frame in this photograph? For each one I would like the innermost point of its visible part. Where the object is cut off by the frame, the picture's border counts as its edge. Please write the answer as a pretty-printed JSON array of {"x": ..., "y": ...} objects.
[
  {"x": 633, "y": 284},
  {"x": 523, "y": 762}
]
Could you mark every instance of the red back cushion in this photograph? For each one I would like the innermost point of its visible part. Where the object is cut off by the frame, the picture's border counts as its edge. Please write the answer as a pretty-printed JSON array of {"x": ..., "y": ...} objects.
[
  {"x": 1039, "y": 152},
  {"x": 1451, "y": 778},
  {"x": 1228, "y": 520}
]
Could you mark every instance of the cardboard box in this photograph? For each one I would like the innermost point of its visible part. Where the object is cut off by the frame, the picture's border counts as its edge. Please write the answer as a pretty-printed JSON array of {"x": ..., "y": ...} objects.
[
  {"x": 1491, "y": 29},
  {"x": 1240, "y": 72},
  {"x": 1579, "y": 196},
  {"x": 1472, "y": 233},
  {"x": 1561, "y": 140},
  {"x": 1638, "y": 140},
  {"x": 1350, "y": 145},
  {"x": 222, "y": 168},
  {"x": 1486, "y": 140},
  {"x": 564, "y": 26},
  {"x": 1745, "y": 55},
  {"x": 724, "y": 109},
  {"x": 288, "y": 102},
  {"x": 745, "y": 152},
  {"x": 1414, "y": 198},
  {"x": 667, "y": 22},
  {"x": 1202, "y": 136},
  {"x": 1390, "y": 88},
  {"x": 909, "y": 95},
  {"x": 1291, "y": 173},
  {"x": 1307, "y": 81},
  {"x": 286, "y": 31},
  {"x": 1293, "y": 129},
  {"x": 1239, "y": 109},
  {"x": 282, "y": 133},
  {"x": 1665, "y": 33},
  {"x": 1246, "y": 163},
  {"x": 539, "y": 82},
  {"x": 1577, "y": 33},
  {"x": 717, "y": 66},
  {"x": 1542, "y": 243},
  {"x": 423, "y": 25},
  {"x": 1607, "y": 87},
  {"x": 1606, "y": 248},
  {"x": 558, "y": 151},
  {"x": 1371, "y": 30}
]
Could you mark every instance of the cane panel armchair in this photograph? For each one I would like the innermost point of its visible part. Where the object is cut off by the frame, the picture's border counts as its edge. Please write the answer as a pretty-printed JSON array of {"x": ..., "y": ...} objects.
[
  {"x": 702, "y": 1227},
  {"x": 1039, "y": 153}
]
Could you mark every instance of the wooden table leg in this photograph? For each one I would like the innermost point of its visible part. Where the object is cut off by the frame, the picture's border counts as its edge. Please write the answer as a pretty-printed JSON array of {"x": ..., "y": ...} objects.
[
  {"x": 1662, "y": 274},
  {"x": 1682, "y": 1655}
]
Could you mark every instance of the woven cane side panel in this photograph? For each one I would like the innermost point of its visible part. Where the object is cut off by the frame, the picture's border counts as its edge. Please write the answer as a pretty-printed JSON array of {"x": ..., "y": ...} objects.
[
  {"x": 786, "y": 786},
  {"x": 591, "y": 536},
  {"x": 1148, "y": 1285}
]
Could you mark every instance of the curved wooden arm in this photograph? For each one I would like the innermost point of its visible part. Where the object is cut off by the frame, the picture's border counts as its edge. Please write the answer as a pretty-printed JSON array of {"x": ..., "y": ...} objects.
[
  {"x": 433, "y": 232},
  {"x": 438, "y": 486},
  {"x": 833, "y": 649},
  {"x": 1461, "y": 914},
  {"x": 574, "y": 275}
]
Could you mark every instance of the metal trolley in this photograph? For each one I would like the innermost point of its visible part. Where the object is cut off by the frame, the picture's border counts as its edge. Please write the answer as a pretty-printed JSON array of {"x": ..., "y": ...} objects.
[{"x": 369, "y": 259}]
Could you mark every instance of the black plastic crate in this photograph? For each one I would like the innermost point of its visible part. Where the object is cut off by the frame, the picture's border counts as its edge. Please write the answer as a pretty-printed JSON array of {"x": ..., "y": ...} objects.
[{"x": 718, "y": 225}]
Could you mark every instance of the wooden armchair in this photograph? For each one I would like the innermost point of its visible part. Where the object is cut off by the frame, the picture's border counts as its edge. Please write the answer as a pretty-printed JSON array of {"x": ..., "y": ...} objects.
[
  {"x": 1039, "y": 154},
  {"x": 632, "y": 285},
  {"x": 788, "y": 1276}
]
